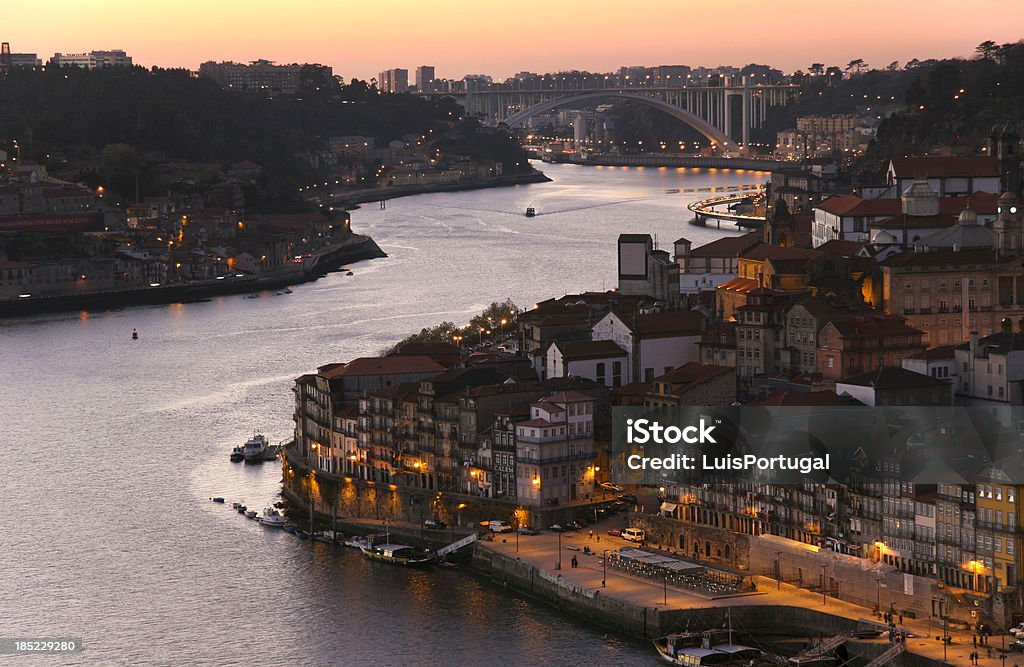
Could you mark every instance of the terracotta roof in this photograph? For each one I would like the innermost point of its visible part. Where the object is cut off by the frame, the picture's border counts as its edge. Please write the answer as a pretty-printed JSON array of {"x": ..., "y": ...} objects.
[
  {"x": 872, "y": 326},
  {"x": 568, "y": 397},
  {"x": 939, "y": 167},
  {"x": 632, "y": 389},
  {"x": 892, "y": 377},
  {"x": 668, "y": 323},
  {"x": 692, "y": 374},
  {"x": 854, "y": 206},
  {"x": 765, "y": 251},
  {"x": 904, "y": 221},
  {"x": 842, "y": 248},
  {"x": 384, "y": 366},
  {"x": 936, "y": 353},
  {"x": 590, "y": 349},
  {"x": 729, "y": 246}
]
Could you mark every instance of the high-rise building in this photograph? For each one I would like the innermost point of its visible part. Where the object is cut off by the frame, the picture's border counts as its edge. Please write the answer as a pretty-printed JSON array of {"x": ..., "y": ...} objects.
[
  {"x": 93, "y": 59},
  {"x": 393, "y": 81},
  {"x": 424, "y": 78}
]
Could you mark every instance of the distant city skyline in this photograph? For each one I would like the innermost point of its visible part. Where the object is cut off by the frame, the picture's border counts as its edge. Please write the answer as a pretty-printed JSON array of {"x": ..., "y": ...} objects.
[{"x": 361, "y": 41}]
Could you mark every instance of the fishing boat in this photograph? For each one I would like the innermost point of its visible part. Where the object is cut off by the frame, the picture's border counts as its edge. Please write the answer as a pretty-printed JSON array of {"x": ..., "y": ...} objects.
[
  {"x": 252, "y": 451},
  {"x": 530, "y": 212},
  {"x": 237, "y": 453},
  {"x": 398, "y": 554},
  {"x": 360, "y": 542}
]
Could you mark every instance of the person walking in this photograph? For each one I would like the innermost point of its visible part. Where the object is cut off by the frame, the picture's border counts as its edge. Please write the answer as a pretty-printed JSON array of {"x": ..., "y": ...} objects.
[
  {"x": 575, "y": 563},
  {"x": 974, "y": 638}
]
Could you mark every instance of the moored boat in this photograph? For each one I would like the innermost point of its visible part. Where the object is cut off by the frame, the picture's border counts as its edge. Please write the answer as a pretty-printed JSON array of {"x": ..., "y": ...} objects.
[
  {"x": 271, "y": 518},
  {"x": 252, "y": 451},
  {"x": 530, "y": 212},
  {"x": 237, "y": 453},
  {"x": 398, "y": 554}
]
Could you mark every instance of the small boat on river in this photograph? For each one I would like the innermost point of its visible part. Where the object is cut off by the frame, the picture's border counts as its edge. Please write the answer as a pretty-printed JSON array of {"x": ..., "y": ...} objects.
[
  {"x": 530, "y": 212},
  {"x": 252, "y": 451},
  {"x": 272, "y": 518},
  {"x": 237, "y": 453},
  {"x": 398, "y": 554}
]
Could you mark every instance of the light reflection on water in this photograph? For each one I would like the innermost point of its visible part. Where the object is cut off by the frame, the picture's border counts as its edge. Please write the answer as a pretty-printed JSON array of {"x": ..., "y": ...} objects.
[{"x": 113, "y": 447}]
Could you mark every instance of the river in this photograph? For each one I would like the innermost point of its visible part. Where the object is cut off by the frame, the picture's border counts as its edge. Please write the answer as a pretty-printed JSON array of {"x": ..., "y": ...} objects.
[{"x": 114, "y": 447}]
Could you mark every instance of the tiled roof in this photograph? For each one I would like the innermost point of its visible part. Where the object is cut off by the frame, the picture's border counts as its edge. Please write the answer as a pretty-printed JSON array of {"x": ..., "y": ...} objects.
[
  {"x": 872, "y": 326},
  {"x": 842, "y": 248},
  {"x": 936, "y": 353},
  {"x": 892, "y": 377},
  {"x": 765, "y": 251},
  {"x": 945, "y": 258},
  {"x": 729, "y": 246},
  {"x": 692, "y": 374},
  {"x": 781, "y": 398},
  {"x": 385, "y": 366},
  {"x": 939, "y": 167},
  {"x": 668, "y": 323},
  {"x": 1000, "y": 343},
  {"x": 854, "y": 206},
  {"x": 741, "y": 285}
]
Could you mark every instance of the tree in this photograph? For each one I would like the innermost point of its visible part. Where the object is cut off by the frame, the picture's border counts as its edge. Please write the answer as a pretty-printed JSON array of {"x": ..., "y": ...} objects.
[
  {"x": 120, "y": 165},
  {"x": 856, "y": 66},
  {"x": 894, "y": 66},
  {"x": 817, "y": 69},
  {"x": 987, "y": 50}
]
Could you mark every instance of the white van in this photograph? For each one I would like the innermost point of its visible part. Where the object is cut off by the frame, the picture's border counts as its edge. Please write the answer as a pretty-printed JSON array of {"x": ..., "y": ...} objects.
[
  {"x": 499, "y": 527},
  {"x": 634, "y": 535}
]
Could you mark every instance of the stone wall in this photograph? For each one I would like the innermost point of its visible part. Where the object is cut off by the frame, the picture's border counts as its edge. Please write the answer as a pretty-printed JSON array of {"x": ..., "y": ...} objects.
[{"x": 715, "y": 547}]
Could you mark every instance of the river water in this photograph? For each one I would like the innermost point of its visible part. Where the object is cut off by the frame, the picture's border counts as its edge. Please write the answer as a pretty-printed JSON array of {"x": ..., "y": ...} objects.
[{"x": 113, "y": 447}]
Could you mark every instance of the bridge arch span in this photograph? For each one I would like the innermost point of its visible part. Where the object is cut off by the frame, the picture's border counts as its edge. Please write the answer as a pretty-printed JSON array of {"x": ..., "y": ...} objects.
[{"x": 696, "y": 122}]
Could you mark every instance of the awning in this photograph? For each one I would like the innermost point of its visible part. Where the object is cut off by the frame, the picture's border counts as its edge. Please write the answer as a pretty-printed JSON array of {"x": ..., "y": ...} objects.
[{"x": 668, "y": 507}]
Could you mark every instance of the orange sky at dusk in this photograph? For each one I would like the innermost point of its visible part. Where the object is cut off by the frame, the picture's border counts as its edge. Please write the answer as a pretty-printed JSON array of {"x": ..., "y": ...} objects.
[{"x": 461, "y": 37}]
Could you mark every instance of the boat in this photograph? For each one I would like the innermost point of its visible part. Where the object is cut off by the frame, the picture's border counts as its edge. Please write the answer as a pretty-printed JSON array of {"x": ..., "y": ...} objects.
[
  {"x": 360, "y": 542},
  {"x": 253, "y": 296},
  {"x": 287, "y": 290},
  {"x": 349, "y": 273},
  {"x": 270, "y": 452},
  {"x": 242, "y": 509},
  {"x": 697, "y": 649},
  {"x": 252, "y": 451},
  {"x": 272, "y": 518},
  {"x": 218, "y": 499},
  {"x": 237, "y": 453},
  {"x": 328, "y": 536},
  {"x": 236, "y": 506},
  {"x": 135, "y": 334},
  {"x": 398, "y": 554},
  {"x": 251, "y": 514},
  {"x": 301, "y": 534},
  {"x": 530, "y": 212}
]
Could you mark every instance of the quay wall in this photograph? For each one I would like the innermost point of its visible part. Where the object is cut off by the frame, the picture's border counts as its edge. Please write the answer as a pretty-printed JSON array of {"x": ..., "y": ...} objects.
[{"x": 598, "y": 607}]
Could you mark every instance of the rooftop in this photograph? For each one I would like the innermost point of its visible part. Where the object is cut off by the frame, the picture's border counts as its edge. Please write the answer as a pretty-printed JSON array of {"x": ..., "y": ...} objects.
[
  {"x": 892, "y": 377},
  {"x": 941, "y": 167}
]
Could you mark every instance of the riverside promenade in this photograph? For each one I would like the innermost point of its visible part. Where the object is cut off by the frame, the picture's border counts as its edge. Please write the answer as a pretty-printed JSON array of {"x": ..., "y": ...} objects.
[{"x": 791, "y": 610}]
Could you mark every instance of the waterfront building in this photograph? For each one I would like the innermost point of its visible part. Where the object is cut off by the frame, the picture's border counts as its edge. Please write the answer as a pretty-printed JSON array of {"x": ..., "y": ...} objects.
[
  {"x": 92, "y": 60},
  {"x": 998, "y": 518},
  {"x": 555, "y": 455}
]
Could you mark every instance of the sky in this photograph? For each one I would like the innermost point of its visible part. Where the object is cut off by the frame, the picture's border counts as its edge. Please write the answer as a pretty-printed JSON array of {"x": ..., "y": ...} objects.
[{"x": 459, "y": 37}]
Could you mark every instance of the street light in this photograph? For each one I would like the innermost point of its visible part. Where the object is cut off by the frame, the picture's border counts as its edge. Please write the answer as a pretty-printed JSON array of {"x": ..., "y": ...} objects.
[
  {"x": 823, "y": 568},
  {"x": 778, "y": 570},
  {"x": 604, "y": 562}
]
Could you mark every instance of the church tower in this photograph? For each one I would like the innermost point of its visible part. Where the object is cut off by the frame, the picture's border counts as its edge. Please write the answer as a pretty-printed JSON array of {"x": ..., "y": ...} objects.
[
  {"x": 1004, "y": 144},
  {"x": 779, "y": 225},
  {"x": 1007, "y": 226}
]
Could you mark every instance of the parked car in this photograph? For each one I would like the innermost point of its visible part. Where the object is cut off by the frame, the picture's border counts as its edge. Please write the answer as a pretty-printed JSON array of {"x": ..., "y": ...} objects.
[
  {"x": 634, "y": 534},
  {"x": 435, "y": 524},
  {"x": 499, "y": 527},
  {"x": 1016, "y": 645},
  {"x": 608, "y": 486},
  {"x": 628, "y": 498},
  {"x": 1017, "y": 630},
  {"x": 615, "y": 532},
  {"x": 557, "y": 529},
  {"x": 526, "y": 530},
  {"x": 574, "y": 525}
]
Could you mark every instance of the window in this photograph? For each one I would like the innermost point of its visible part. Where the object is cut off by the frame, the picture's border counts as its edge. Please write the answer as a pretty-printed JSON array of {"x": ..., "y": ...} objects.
[
  {"x": 600, "y": 372},
  {"x": 830, "y": 362}
]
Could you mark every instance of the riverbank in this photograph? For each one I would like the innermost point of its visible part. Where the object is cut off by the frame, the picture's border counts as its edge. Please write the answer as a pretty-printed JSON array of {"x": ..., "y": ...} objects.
[
  {"x": 689, "y": 161},
  {"x": 353, "y": 249},
  {"x": 351, "y": 198}
]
